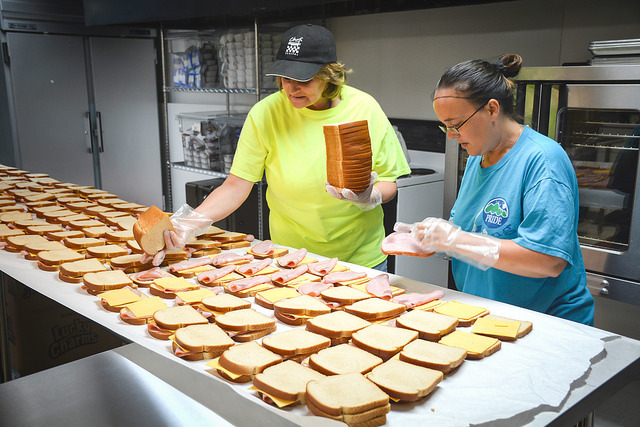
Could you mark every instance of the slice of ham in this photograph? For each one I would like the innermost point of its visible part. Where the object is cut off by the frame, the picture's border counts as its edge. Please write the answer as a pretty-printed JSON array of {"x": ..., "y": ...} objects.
[
  {"x": 380, "y": 287},
  {"x": 180, "y": 352},
  {"x": 217, "y": 290},
  {"x": 229, "y": 258},
  {"x": 284, "y": 276},
  {"x": 247, "y": 282},
  {"x": 332, "y": 304},
  {"x": 254, "y": 267},
  {"x": 263, "y": 248},
  {"x": 206, "y": 314},
  {"x": 313, "y": 288},
  {"x": 402, "y": 243},
  {"x": 213, "y": 275},
  {"x": 414, "y": 299},
  {"x": 151, "y": 274},
  {"x": 190, "y": 263},
  {"x": 323, "y": 268},
  {"x": 292, "y": 259},
  {"x": 343, "y": 276}
]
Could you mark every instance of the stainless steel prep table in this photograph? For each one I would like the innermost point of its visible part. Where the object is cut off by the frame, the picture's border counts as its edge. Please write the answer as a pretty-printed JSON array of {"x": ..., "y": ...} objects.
[{"x": 608, "y": 371}]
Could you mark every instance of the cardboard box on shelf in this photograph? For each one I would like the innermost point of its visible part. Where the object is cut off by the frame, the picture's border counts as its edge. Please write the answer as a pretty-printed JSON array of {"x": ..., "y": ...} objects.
[{"x": 43, "y": 334}]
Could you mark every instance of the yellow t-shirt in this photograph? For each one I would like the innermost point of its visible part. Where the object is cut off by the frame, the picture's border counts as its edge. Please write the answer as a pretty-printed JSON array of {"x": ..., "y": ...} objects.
[{"x": 287, "y": 145}]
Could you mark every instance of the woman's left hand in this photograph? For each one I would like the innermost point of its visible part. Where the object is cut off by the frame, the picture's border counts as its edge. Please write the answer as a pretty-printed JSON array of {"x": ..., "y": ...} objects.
[{"x": 367, "y": 200}]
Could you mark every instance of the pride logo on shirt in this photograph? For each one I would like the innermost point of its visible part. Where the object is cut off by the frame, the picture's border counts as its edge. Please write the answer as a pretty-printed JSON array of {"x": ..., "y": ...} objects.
[{"x": 495, "y": 213}]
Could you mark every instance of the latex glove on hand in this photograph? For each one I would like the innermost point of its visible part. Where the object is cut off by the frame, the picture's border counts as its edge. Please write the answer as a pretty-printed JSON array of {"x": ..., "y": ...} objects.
[
  {"x": 367, "y": 200},
  {"x": 480, "y": 250},
  {"x": 188, "y": 224}
]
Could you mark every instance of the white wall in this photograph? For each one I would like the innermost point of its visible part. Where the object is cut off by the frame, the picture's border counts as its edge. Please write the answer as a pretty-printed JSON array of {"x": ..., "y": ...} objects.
[{"x": 398, "y": 57}]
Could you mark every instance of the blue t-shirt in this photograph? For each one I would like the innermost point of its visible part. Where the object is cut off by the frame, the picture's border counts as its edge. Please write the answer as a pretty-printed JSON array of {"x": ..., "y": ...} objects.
[{"x": 531, "y": 197}]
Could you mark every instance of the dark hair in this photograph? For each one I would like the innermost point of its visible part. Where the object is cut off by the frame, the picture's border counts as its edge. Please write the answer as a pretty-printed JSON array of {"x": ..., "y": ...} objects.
[{"x": 481, "y": 81}]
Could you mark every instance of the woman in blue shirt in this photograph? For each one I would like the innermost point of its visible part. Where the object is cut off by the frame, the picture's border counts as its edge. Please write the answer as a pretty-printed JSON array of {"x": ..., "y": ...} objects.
[{"x": 512, "y": 232}]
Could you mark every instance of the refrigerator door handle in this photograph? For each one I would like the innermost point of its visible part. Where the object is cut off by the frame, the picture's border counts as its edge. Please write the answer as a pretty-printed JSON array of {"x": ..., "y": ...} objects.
[
  {"x": 99, "y": 134},
  {"x": 88, "y": 131}
]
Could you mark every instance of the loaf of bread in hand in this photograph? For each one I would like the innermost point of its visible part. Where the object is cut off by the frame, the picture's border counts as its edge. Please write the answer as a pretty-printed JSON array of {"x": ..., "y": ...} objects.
[
  {"x": 349, "y": 157},
  {"x": 148, "y": 230}
]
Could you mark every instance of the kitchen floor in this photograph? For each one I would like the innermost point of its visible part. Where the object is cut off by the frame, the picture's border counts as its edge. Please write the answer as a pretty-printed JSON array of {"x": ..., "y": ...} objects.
[{"x": 622, "y": 409}]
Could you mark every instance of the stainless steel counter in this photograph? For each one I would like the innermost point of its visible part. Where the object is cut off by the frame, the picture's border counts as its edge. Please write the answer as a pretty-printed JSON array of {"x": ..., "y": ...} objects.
[
  {"x": 102, "y": 390},
  {"x": 615, "y": 361}
]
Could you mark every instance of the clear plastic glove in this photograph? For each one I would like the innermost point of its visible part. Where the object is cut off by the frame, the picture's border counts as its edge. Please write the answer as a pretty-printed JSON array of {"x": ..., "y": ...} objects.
[
  {"x": 480, "y": 250},
  {"x": 188, "y": 224},
  {"x": 367, "y": 200}
]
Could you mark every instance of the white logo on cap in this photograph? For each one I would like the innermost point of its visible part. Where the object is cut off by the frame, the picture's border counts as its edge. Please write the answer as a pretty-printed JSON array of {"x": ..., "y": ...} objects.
[{"x": 293, "y": 47}]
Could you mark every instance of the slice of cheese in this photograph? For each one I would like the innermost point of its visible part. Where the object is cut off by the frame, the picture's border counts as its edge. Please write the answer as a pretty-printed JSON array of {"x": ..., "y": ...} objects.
[
  {"x": 278, "y": 401},
  {"x": 471, "y": 342},
  {"x": 195, "y": 296},
  {"x": 213, "y": 363},
  {"x": 277, "y": 294},
  {"x": 118, "y": 297},
  {"x": 428, "y": 306},
  {"x": 303, "y": 278},
  {"x": 196, "y": 270},
  {"x": 363, "y": 286},
  {"x": 356, "y": 283},
  {"x": 459, "y": 310},
  {"x": 146, "y": 306},
  {"x": 174, "y": 283},
  {"x": 496, "y": 328}
]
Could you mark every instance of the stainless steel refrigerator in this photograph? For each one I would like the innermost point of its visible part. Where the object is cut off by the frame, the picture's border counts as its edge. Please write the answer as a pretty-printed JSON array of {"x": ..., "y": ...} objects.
[{"x": 81, "y": 104}]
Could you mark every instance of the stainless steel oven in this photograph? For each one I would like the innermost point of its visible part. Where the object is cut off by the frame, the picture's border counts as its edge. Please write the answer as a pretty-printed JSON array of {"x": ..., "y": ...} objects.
[{"x": 594, "y": 113}]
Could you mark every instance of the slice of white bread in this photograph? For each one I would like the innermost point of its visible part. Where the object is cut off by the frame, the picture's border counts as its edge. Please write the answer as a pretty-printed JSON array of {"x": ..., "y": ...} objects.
[
  {"x": 524, "y": 329},
  {"x": 195, "y": 342},
  {"x": 296, "y": 311},
  {"x": 431, "y": 326},
  {"x": 383, "y": 341},
  {"x": 105, "y": 281},
  {"x": 350, "y": 398},
  {"x": 344, "y": 295},
  {"x": 477, "y": 346},
  {"x": 286, "y": 381},
  {"x": 73, "y": 271},
  {"x": 106, "y": 251},
  {"x": 295, "y": 342},
  {"x": 433, "y": 355},
  {"x": 148, "y": 230},
  {"x": 178, "y": 317},
  {"x": 244, "y": 320},
  {"x": 375, "y": 308},
  {"x": 252, "y": 335},
  {"x": 17, "y": 242},
  {"x": 404, "y": 381},
  {"x": 223, "y": 303},
  {"x": 244, "y": 361},
  {"x": 32, "y": 249},
  {"x": 343, "y": 359},
  {"x": 51, "y": 260},
  {"x": 338, "y": 324}
]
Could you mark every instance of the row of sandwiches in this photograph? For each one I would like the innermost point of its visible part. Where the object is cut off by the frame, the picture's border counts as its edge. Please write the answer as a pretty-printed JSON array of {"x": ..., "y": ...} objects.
[{"x": 306, "y": 332}]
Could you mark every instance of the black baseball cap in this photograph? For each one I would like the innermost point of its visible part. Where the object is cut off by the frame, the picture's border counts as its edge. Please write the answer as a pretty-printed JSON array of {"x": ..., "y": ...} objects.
[{"x": 303, "y": 51}]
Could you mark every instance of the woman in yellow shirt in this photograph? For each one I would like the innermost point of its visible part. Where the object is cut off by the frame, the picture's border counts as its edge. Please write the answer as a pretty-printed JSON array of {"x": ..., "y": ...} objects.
[{"x": 283, "y": 139}]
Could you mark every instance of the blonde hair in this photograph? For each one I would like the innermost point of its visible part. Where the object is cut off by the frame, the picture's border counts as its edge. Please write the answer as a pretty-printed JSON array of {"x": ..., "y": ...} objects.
[{"x": 334, "y": 74}]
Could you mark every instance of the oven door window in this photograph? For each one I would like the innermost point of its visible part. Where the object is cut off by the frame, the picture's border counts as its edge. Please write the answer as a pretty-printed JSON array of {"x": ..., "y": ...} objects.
[{"x": 603, "y": 147}]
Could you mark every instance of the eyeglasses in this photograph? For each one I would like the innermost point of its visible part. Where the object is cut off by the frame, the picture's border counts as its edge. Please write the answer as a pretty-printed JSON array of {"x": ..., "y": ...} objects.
[{"x": 455, "y": 130}]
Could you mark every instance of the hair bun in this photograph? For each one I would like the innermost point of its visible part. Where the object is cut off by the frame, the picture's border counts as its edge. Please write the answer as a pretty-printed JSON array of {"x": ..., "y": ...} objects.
[{"x": 509, "y": 64}]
